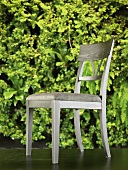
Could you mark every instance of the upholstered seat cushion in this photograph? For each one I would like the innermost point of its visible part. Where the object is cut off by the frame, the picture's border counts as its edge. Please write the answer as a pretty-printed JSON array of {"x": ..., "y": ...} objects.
[{"x": 65, "y": 97}]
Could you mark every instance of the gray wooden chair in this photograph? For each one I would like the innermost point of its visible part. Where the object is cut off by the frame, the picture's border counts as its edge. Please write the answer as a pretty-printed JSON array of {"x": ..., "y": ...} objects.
[{"x": 57, "y": 100}]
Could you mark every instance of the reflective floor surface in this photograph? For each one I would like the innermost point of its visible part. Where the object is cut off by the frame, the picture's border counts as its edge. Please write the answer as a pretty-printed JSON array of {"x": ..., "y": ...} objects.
[{"x": 70, "y": 159}]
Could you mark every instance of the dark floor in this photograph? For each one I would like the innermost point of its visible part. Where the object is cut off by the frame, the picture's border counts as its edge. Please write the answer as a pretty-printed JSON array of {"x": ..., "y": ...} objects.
[{"x": 70, "y": 159}]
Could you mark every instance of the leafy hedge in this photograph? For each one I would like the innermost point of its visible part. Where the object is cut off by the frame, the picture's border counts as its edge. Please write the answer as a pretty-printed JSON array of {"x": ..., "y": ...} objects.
[{"x": 39, "y": 45}]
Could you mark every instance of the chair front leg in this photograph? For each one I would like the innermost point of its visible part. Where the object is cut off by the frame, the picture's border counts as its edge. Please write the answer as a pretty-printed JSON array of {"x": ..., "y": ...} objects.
[
  {"x": 29, "y": 121},
  {"x": 77, "y": 130},
  {"x": 55, "y": 131},
  {"x": 104, "y": 131}
]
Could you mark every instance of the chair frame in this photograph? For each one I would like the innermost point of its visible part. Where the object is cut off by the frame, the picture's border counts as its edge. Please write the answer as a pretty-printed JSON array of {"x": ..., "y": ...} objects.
[{"x": 56, "y": 105}]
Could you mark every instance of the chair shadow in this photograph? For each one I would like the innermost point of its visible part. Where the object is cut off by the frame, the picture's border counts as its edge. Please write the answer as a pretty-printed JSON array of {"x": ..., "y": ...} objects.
[
  {"x": 80, "y": 162},
  {"x": 84, "y": 162}
]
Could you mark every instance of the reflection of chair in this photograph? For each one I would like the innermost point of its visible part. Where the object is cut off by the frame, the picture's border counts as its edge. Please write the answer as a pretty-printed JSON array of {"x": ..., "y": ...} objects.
[{"x": 57, "y": 100}]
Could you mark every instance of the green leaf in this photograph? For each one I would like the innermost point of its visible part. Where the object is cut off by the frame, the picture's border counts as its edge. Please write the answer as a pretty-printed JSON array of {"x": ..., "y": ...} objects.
[
  {"x": 59, "y": 63},
  {"x": 8, "y": 95},
  {"x": 40, "y": 23},
  {"x": 70, "y": 57},
  {"x": 87, "y": 116},
  {"x": 43, "y": 6},
  {"x": 21, "y": 97}
]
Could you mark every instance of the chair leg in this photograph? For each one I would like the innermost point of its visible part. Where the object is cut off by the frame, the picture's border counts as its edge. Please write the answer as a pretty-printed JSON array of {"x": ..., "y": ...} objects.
[
  {"x": 55, "y": 131},
  {"x": 77, "y": 130},
  {"x": 104, "y": 132},
  {"x": 29, "y": 121}
]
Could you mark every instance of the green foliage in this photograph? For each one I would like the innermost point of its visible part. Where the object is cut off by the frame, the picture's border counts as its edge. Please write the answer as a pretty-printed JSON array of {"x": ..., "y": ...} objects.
[
  {"x": 121, "y": 88},
  {"x": 39, "y": 45}
]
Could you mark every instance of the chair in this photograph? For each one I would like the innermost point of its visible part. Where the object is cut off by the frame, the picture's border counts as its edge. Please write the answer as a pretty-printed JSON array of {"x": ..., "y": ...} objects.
[{"x": 57, "y": 100}]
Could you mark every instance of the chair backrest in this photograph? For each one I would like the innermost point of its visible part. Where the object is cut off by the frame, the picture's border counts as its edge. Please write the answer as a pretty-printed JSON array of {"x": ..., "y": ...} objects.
[{"x": 98, "y": 54}]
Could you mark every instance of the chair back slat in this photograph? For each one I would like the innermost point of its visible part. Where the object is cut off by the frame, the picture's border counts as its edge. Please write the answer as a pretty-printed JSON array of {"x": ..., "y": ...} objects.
[
  {"x": 89, "y": 78},
  {"x": 95, "y": 51}
]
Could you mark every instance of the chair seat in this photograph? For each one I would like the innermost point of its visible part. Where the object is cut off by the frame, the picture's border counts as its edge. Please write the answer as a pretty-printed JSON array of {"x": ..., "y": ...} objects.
[{"x": 64, "y": 97}]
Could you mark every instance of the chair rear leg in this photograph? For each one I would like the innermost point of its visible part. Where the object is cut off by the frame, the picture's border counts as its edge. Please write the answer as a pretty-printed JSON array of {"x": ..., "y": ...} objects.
[
  {"x": 55, "y": 131},
  {"x": 104, "y": 132},
  {"x": 77, "y": 130},
  {"x": 29, "y": 121}
]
